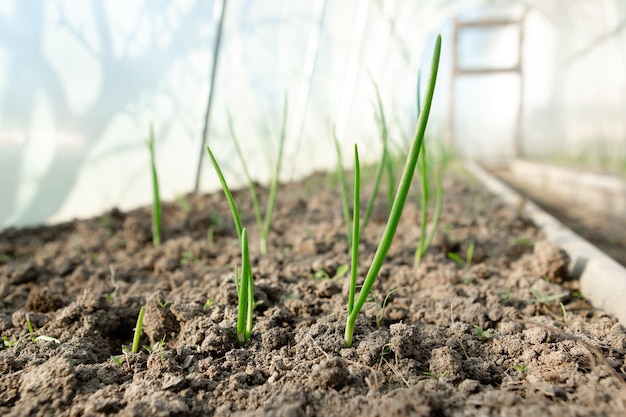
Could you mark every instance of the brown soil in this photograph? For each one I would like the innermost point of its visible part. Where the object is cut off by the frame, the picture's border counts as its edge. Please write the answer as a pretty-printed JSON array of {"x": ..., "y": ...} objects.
[{"x": 84, "y": 283}]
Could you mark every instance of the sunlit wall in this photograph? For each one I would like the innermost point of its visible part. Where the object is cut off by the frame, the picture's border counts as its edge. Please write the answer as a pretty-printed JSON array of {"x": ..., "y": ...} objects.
[{"x": 80, "y": 82}]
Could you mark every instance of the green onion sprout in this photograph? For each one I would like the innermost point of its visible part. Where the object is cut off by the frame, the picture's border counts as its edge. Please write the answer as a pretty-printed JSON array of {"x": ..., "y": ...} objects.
[
  {"x": 426, "y": 238},
  {"x": 355, "y": 230},
  {"x": 156, "y": 199},
  {"x": 243, "y": 282},
  {"x": 138, "y": 330},
  {"x": 399, "y": 200},
  {"x": 263, "y": 224}
]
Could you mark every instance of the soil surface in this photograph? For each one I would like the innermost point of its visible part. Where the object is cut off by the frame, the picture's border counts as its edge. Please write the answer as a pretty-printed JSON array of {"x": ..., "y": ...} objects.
[
  {"x": 507, "y": 334},
  {"x": 606, "y": 232}
]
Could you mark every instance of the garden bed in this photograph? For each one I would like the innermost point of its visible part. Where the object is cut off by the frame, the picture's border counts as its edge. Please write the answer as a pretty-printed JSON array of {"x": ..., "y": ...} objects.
[{"x": 508, "y": 333}]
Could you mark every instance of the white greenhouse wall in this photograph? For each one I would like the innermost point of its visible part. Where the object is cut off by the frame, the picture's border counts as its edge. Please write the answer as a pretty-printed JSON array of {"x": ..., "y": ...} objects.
[{"x": 80, "y": 83}]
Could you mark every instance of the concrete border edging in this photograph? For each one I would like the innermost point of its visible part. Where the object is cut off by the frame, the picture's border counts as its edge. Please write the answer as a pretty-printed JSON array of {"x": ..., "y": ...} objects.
[{"x": 602, "y": 279}]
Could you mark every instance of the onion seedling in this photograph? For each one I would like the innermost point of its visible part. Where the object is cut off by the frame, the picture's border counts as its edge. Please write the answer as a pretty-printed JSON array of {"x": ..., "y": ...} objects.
[
  {"x": 386, "y": 160},
  {"x": 138, "y": 331},
  {"x": 245, "y": 291},
  {"x": 156, "y": 199},
  {"x": 399, "y": 200},
  {"x": 243, "y": 283},
  {"x": 426, "y": 238},
  {"x": 344, "y": 192},
  {"x": 263, "y": 224}
]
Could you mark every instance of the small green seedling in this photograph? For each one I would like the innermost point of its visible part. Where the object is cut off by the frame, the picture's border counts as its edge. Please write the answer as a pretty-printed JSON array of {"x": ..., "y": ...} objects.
[
  {"x": 396, "y": 208},
  {"x": 320, "y": 274},
  {"x": 341, "y": 271},
  {"x": 436, "y": 377},
  {"x": 263, "y": 224},
  {"x": 520, "y": 368},
  {"x": 156, "y": 198},
  {"x": 188, "y": 257},
  {"x": 6, "y": 343},
  {"x": 540, "y": 298},
  {"x": 464, "y": 263},
  {"x": 564, "y": 311},
  {"x": 138, "y": 331},
  {"x": 482, "y": 334},
  {"x": 183, "y": 203},
  {"x": 31, "y": 331},
  {"x": 118, "y": 359},
  {"x": 160, "y": 344},
  {"x": 381, "y": 310},
  {"x": 162, "y": 304},
  {"x": 34, "y": 338},
  {"x": 207, "y": 305}
]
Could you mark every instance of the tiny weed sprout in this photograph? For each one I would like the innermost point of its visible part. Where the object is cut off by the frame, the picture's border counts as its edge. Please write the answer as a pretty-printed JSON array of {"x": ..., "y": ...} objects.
[
  {"x": 540, "y": 298},
  {"x": 31, "y": 331},
  {"x": 520, "y": 368},
  {"x": 243, "y": 283},
  {"x": 398, "y": 202},
  {"x": 34, "y": 338},
  {"x": 464, "y": 263},
  {"x": 118, "y": 360},
  {"x": 6, "y": 343},
  {"x": 341, "y": 271},
  {"x": 188, "y": 257},
  {"x": 381, "y": 311},
  {"x": 263, "y": 224},
  {"x": 156, "y": 198},
  {"x": 207, "y": 305},
  {"x": 138, "y": 331},
  {"x": 183, "y": 203},
  {"x": 481, "y": 333},
  {"x": 435, "y": 376}
]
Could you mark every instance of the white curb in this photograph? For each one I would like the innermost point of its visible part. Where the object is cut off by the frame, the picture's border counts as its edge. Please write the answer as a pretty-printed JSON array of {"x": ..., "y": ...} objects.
[{"x": 602, "y": 279}]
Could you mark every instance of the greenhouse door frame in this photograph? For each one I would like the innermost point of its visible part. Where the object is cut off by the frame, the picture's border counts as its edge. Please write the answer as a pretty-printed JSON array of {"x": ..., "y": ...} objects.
[{"x": 458, "y": 71}]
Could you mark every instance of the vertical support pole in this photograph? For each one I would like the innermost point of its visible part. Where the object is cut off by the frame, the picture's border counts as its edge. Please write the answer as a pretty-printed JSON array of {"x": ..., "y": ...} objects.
[
  {"x": 352, "y": 71},
  {"x": 308, "y": 68},
  {"x": 207, "y": 115},
  {"x": 452, "y": 91},
  {"x": 519, "y": 145}
]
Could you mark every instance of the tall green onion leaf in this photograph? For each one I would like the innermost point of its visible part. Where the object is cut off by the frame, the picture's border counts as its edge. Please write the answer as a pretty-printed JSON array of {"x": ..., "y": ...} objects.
[
  {"x": 156, "y": 198},
  {"x": 253, "y": 194},
  {"x": 244, "y": 293},
  {"x": 344, "y": 188},
  {"x": 138, "y": 330},
  {"x": 227, "y": 193},
  {"x": 399, "y": 200},
  {"x": 355, "y": 229},
  {"x": 271, "y": 202}
]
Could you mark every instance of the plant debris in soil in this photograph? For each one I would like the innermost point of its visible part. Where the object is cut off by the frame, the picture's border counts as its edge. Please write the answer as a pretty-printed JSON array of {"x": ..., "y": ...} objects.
[{"x": 507, "y": 334}]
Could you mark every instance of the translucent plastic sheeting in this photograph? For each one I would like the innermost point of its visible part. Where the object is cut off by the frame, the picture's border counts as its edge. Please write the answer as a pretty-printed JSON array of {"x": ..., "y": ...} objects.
[{"x": 81, "y": 81}]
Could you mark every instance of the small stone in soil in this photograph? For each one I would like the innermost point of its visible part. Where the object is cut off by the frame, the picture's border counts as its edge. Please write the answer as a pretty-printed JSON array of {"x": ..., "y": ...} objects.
[{"x": 331, "y": 373}]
